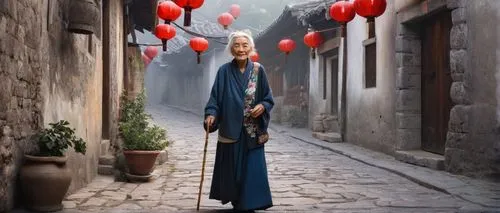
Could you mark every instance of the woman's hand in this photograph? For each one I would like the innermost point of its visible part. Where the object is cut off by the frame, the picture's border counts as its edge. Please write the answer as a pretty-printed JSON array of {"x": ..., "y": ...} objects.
[
  {"x": 257, "y": 110},
  {"x": 209, "y": 121}
]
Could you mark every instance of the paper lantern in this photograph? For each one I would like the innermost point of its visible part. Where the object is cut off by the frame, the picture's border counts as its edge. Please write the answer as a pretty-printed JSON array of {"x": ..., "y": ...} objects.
[
  {"x": 199, "y": 45},
  {"x": 188, "y": 6},
  {"x": 225, "y": 19},
  {"x": 164, "y": 32},
  {"x": 168, "y": 11}
]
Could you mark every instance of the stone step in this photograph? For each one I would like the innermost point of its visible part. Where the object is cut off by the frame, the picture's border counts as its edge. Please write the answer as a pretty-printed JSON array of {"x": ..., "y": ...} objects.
[
  {"x": 105, "y": 144},
  {"x": 421, "y": 158},
  {"x": 331, "y": 137},
  {"x": 105, "y": 170},
  {"x": 108, "y": 160}
]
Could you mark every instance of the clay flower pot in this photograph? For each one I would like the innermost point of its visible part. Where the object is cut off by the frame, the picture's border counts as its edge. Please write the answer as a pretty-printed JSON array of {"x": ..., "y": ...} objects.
[
  {"x": 44, "y": 181},
  {"x": 140, "y": 163}
]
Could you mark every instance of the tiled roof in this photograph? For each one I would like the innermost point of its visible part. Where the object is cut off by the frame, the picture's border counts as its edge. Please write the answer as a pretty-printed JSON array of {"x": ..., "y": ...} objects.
[{"x": 299, "y": 12}]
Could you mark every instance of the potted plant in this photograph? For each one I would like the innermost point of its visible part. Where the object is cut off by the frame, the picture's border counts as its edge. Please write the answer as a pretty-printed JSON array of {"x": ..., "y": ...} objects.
[
  {"x": 44, "y": 177},
  {"x": 142, "y": 141}
]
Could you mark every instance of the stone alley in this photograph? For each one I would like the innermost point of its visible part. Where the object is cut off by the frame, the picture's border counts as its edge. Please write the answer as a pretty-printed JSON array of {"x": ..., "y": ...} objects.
[{"x": 303, "y": 178}]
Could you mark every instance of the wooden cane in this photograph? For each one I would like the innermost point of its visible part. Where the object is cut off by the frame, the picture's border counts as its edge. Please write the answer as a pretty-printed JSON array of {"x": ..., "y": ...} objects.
[{"x": 203, "y": 167}]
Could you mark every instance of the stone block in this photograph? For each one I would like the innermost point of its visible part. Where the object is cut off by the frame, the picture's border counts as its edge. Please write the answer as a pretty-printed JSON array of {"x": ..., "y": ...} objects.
[
  {"x": 459, "y": 119},
  {"x": 458, "y": 61},
  {"x": 408, "y": 100},
  {"x": 328, "y": 137},
  {"x": 331, "y": 124},
  {"x": 458, "y": 16},
  {"x": 108, "y": 160},
  {"x": 408, "y": 121},
  {"x": 458, "y": 36},
  {"x": 105, "y": 170},
  {"x": 410, "y": 70},
  {"x": 406, "y": 80},
  {"x": 406, "y": 30},
  {"x": 454, "y": 160},
  {"x": 421, "y": 158},
  {"x": 408, "y": 139},
  {"x": 456, "y": 140},
  {"x": 452, "y": 4},
  {"x": 162, "y": 157},
  {"x": 459, "y": 94},
  {"x": 318, "y": 123},
  {"x": 403, "y": 44},
  {"x": 407, "y": 60}
]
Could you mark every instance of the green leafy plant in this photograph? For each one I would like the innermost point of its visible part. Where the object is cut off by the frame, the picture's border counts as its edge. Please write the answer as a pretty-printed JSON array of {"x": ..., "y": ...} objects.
[
  {"x": 136, "y": 131},
  {"x": 54, "y": 141}
]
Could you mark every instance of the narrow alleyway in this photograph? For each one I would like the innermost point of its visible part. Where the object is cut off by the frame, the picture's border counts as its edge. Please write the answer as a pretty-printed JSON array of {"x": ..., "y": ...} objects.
[{"x": 303, "y": 177}]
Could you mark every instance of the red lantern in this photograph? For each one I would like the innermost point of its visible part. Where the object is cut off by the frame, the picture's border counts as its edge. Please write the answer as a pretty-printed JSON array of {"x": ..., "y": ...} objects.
[
  {"x": 286, "y": 45},
  {"x": 199, "y": 45},
  {"x": 313, "y": 40},
  {"x": 342, "y": 12},
  {"x": 254, "y": 56},
  {"x": 168, "y": 11},
  {"x": 188, "y": 6},
  {"x": 151, "y": 52},
  {"x": 235, "y": 11},
  {"x": 225, "y": 19},
  {"x": 145, "y": 59},
  {"x": 370, "y": 8},
  {"x": 164, "y": 32}
]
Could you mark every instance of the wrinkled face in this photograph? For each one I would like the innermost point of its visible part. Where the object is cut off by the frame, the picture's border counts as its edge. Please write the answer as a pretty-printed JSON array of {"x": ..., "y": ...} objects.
[{"x": 241, "y": 48}]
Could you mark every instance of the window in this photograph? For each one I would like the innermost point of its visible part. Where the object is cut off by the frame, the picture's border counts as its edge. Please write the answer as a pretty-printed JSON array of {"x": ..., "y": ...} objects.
[{"x": 370, "y": 62}]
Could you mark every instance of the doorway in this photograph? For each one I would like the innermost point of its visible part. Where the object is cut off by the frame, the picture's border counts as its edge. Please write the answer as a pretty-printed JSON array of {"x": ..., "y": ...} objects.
[{"x": 435, "y": 81}]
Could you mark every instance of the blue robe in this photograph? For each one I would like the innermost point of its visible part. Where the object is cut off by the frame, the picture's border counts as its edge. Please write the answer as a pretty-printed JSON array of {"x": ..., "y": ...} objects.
[{"x": 240, "y": 171}]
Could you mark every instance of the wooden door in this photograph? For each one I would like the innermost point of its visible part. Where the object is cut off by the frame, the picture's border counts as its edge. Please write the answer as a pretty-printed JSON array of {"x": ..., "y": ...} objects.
[{"x": 436, "y": 81}]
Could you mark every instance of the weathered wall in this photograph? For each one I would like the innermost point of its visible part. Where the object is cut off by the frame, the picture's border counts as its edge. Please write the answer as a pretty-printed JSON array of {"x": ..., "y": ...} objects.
[
  {"x": 473, "y": 142},
  {"x": 21, "y": 71},
  {"x": 50, "y": 74},
  {"x": 136, "y": 70},
  {"x": 370, "y": 111},
  {"x": 116, "y": 64}
]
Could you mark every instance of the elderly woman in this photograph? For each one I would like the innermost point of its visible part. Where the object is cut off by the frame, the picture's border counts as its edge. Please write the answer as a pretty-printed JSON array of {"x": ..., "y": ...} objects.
[{"x": 239, "y": 107}]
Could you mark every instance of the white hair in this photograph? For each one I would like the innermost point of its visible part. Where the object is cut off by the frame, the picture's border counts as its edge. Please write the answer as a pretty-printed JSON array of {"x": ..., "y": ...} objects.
[{"x": 238, "y": 34}]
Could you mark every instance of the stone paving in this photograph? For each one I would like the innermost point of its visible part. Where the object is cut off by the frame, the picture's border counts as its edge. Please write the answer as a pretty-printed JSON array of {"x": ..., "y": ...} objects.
[{"x": 303, "y": 178}]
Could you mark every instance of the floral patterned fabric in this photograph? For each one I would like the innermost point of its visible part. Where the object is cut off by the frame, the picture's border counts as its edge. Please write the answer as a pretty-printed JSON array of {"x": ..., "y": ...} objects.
[{"x": 249, "y": 122}]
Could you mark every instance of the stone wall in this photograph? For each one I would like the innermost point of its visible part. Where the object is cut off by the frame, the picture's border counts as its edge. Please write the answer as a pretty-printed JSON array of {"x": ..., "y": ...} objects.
[
  {"x": 370, "y": 111},
  {"x": 50, "y": 74},
  {"x": 473, "y": 140},
  {"x": 135, "y": 72}
]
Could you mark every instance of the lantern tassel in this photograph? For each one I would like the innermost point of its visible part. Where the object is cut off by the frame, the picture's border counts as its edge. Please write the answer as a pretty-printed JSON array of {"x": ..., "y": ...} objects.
[
  {"x": 164, "y": 44},
  {"x": 313, "y": 53},
  {"x": 187, "y": 16},
  {"x": 198, "y": 56}
]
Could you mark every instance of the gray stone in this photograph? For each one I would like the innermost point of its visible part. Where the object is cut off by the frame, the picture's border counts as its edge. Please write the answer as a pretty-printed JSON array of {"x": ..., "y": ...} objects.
[
  {"x": 107, "y": 160},
  {"x": 408, "y": 100},
  {"x": 459, "y": 119},
  {"x": 458, "y": 61},
  {"x": 105, "y": 169},
  {"x": 406, "y": 80},
  {"x": 458, "y": 15},
  {"x": 410, "y": 70},
  {"x": 456, "y": 140},
  {"x": 407, "y": 60},
  {"x": 408, "y": 139},
  {"x": 458, "y": 36},
  {"x": 421, "y": 158},
  {"x": 408, "y": 121},
  {"x": 331, "y": 124},
  {"x": 452, "y": 4},
  {"x": 407, "y": 31},
  {"x": 404, "y": 44},
  {"x": 459, "y": 94},
  {"x": 328, "y": 136}
]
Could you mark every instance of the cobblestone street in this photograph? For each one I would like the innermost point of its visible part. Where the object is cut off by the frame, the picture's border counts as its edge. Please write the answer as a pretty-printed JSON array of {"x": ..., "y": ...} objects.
[{"x": 303, "y": 178}]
